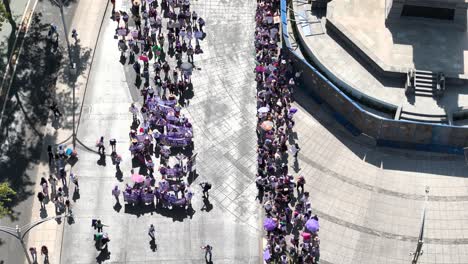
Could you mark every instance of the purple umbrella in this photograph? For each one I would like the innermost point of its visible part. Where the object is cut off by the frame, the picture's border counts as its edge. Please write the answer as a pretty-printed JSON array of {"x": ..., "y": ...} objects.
[
  {"x": 269, "y": 224},
  {"x": 312, "y": 225},
  {"x": 293, "y": 110}
]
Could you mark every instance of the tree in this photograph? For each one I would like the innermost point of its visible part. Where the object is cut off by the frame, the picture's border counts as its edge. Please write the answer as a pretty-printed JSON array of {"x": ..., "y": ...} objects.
[
  {"x": 4, "y": 14},
  {"x": 5, "y": 196}
]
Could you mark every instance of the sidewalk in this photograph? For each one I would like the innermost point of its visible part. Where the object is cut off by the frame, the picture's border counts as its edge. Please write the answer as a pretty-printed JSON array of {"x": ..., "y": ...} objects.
[{"x": 87, "y": 21}]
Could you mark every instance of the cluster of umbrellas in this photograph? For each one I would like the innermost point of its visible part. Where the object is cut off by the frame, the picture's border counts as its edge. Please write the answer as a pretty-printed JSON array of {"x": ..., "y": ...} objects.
[
  {"x": 268, "y": 125},
  {"x": 270, "y": 224},
  {"x": 311, "y": 225}
]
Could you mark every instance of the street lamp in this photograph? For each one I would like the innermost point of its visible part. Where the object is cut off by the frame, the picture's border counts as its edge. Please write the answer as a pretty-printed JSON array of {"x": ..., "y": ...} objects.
[
  {"x": 418, "y": 252},
  {"x": 20, "y": 232}
]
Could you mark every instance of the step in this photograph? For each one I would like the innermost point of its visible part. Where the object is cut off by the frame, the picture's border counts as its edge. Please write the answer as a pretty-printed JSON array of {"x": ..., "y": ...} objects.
[
  {"x": 424, "y": 89},
  {"x": 440, "y": 121},
  {"x": 426, "y": 75},
  {"x": 424, "y": 72},
  {"x": 425, "y": 85},
  {"x": 421, "y": 80},
  {"x": 422, "y": 114},
  {"x": 423, "y": 93},
  {"x": 424, "y": 118}
]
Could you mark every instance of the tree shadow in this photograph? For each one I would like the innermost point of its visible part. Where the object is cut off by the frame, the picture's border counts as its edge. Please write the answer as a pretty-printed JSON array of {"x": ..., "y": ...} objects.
[{"x": 27, "y": 111}]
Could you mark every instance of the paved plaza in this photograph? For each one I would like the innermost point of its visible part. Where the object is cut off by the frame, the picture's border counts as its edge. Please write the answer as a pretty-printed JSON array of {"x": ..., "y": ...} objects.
[{"x": 369, "y": 200}]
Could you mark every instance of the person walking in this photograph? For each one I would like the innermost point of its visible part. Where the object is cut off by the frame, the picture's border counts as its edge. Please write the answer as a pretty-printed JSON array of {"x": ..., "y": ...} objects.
[
  {"x": 201, "y": 24},
  {"x": 190, "y": 54},
  {"x": 74, "y": 179},
  {"x": 137, "y": 68},
  {"x": 100, "y": 145},
  {"x": 99, "y": 225},
  {"x": 295, "y": 150},
  {"x": 208, "y": 253},
  {"x": 75, "y": 36},
  {"x": 300, "y": 184},
  {"x": 151, "y": 232},
  {"x": 68, "y": 208},
  {"x": 117, "y": 160},
  {"x": 40, "y": 197},
  {"x": 53, "y": 185},
  {"x": 63, "y": 176},
  {"x": 33, "y": 252},
  {"x": 45, "y": 187},
  {"x": 45, "y": 252},
  {"x": 113, "y": 143},
  {"x": 206, "y": 186},
  {"x": 116, "y": 193}
]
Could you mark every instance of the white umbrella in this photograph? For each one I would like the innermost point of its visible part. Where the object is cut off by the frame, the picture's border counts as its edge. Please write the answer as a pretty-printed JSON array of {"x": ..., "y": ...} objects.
[{"x": 263, "y": 110}]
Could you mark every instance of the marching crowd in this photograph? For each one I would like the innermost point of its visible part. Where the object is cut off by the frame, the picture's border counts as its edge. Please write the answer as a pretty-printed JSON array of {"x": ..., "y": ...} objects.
[
  {"x": 158, "y": 123},
  {"x": 168, "y": 29},
  {"x": 287, "y": 217}
]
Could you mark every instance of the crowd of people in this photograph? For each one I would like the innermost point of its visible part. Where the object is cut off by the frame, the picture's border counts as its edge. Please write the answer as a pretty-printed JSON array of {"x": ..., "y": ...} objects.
[
  {"x": 288, "y": 217},
  {"x": 160, "y": 42}
]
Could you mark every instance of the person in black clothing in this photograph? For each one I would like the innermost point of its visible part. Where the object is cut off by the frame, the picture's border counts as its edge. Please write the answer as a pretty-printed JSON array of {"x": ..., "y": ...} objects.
[
  {"x": 137, "y": 68},
  {"x": 40, "y": 197},
  {"x": 206, "y": 187},
  {"x": 113, "y": 142},
  {"x": 208, "y": 250}
]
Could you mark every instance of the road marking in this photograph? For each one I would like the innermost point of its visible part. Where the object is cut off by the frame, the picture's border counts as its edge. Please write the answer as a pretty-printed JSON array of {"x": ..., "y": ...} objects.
[{"x": 14, "y": 57}]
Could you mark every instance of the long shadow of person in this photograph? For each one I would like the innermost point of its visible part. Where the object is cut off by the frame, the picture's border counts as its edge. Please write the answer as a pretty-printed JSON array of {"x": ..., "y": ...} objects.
[
  {"x": 70, "y": 220},
  {"x": 103, "y": 255},
  {"x": 207, "y": 206},
  {"x": 296, "y": 165},
  {"x": 119, "y": 175},
  {"x": 153, "y": 245},
  {"x": 43, "y": 213},
  {"x": 76, "y": 195},
  {"x": 102, "y": 159},
  {"x": 117, "y": 207}
]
